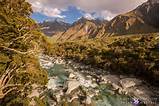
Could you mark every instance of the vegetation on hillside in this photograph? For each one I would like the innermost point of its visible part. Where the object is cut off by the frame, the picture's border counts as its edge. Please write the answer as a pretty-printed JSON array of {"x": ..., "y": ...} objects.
[
  {"x": 21, "y": 41},
  {"x": 133, "y": 54}
]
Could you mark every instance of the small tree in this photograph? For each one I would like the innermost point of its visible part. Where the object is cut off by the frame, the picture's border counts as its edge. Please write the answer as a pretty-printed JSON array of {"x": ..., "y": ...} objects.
[{"x": 21, "y": 41}]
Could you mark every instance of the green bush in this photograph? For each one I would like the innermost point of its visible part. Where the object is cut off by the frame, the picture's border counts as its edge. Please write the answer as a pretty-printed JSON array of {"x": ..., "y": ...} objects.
[{"x": 136, "y": 55}]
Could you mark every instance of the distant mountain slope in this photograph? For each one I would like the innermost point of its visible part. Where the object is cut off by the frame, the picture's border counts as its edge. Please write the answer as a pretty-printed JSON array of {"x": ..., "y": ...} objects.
[
  {"x": 143, "y": 19},
  {"x": 83, "y": 28},
  {"x": 53, "y": 27},
  {"x": 149, "y": 12}
]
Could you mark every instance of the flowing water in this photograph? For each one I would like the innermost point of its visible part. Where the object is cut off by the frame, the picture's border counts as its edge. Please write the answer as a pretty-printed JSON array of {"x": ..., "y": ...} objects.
[{"x": 68, "y": 87}]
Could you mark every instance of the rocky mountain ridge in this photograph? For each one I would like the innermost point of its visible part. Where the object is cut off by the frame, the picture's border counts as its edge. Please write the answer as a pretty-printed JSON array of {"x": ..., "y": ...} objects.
[
  {"x": 52, "y": 27},
  {"x": 143, "y": 19},
  {"x": 82, "y": 29}
]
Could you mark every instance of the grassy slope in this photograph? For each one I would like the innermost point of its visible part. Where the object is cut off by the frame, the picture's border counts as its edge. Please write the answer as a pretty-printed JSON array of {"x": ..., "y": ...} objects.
[{"x": 130, "y": 54}]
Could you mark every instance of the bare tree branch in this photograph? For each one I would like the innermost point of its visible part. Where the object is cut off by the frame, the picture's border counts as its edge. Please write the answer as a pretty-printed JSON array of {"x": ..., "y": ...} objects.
[
  {"x": 5, "y": 79},
  {"x": 14, "y": 88},
  {"x": 11, "y": 85},
  {"x": 8, "y": 75},
  {"x": 22, "y": 37},
  {"x": 16, "y": 51}
]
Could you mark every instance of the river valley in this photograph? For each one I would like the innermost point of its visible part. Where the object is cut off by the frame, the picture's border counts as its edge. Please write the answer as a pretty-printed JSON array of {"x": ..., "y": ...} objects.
[{"x": 74, "y": 84}]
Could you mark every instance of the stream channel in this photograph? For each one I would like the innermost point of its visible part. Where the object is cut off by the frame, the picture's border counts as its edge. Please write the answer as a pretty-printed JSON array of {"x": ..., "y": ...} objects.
[{"x": 72, "y": 84}]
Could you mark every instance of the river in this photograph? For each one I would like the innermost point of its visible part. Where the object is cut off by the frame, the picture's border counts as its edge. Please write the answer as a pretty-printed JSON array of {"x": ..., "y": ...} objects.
[{"x": 68, "y": 85}]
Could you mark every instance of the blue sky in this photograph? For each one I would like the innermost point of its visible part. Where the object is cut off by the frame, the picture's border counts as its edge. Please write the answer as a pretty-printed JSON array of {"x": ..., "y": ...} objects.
[
  {"x": 72, "y": 10},
  {"x": 71, "y": 15}
]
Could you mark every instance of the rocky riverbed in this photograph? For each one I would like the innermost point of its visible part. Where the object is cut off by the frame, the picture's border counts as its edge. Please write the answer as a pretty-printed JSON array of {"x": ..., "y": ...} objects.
[{"x": 74, "y": 84}]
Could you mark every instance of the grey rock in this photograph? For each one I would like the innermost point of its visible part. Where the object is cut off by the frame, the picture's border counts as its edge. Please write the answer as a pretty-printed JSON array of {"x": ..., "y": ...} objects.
[
  {"x": 115, "y": 86},
  {"x": 88, "y": 100},
  {"x": 129, "y": 82},
  {"x": 72, "y": 85},
  {"x": 71, "y": 75}
]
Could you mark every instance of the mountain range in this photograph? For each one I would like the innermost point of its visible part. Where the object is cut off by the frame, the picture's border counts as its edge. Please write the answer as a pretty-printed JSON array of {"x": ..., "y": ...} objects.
[
  {"x": 143, "y": 19},
  {"x": 52, "y": 27}
]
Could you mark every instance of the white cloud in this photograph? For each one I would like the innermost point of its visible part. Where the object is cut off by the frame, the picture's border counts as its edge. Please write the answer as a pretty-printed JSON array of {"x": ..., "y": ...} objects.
[
  {"x": 114, "y": 6},
  {"x": 100, "y": 7},
  {"x": 37, "y": 6},
  {"x": 107, "y": 15},
  {"x": 88, "y": 16},
  {"x": 46, "y": 10},
  {"x": 52, "y": 12}
]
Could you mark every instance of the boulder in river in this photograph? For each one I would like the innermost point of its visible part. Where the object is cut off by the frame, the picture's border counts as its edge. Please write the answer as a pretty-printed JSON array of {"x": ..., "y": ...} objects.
[
  {"x": 129, "y": 82},
  {"x": 71, "y": 75},
  {"x": 88, "y": 100},
  {"x": 115, "y": 86},
  {"x": 72, "y": 85}
]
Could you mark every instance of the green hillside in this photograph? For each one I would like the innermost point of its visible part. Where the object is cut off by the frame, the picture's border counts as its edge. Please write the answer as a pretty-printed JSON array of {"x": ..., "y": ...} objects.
[{"x": 132, "y": 54}]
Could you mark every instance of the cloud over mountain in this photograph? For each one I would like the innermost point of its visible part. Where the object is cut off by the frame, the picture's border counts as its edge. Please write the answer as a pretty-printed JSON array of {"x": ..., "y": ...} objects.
[{"x": 107, "y": 9}]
